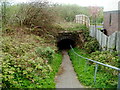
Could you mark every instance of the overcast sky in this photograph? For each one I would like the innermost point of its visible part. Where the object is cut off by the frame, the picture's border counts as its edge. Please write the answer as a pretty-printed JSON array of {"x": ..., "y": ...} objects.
[{"x": 107, "y": 4}]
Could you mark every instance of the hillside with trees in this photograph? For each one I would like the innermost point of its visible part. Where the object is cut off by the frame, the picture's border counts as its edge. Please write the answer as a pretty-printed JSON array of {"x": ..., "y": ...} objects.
[{"x": 30, "y": 58}]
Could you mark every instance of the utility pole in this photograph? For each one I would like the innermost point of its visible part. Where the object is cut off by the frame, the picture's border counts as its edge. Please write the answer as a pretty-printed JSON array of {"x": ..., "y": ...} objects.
[{"x": 3, "y": 13}]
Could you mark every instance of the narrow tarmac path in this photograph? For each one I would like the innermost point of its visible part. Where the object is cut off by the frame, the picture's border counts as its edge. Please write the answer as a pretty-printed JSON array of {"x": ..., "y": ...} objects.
[{"x": 66, "y": 77}]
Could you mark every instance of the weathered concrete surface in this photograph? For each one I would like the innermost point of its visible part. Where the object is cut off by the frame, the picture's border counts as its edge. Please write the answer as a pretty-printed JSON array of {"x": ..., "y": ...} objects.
[
  {"x": 92, "y": 31},
  {"x": 104, "y": 41},
  {"x": 111, "y": 41},
  {"x": 66, "y": 77},
  {"x": 97, "y": 35},
  {"x": 118, "y": 42},
  {"x": 100, "y": 38}
]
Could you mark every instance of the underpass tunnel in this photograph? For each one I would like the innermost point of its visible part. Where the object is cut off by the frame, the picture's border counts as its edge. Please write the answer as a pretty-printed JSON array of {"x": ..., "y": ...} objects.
[{"x": 65, "y": 44}]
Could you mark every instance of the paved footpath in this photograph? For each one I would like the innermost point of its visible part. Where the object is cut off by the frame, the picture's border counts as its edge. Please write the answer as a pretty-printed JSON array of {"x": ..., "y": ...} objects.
[{"x": 66, "y": 77}]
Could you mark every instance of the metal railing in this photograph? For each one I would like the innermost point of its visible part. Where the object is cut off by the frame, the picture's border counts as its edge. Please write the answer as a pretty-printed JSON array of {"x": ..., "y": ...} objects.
[{"x": 96, "y": 67}]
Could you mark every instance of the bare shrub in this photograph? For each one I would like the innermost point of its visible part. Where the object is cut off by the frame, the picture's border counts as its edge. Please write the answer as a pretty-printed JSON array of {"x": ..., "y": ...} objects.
[{"x": 38, "y": 14}]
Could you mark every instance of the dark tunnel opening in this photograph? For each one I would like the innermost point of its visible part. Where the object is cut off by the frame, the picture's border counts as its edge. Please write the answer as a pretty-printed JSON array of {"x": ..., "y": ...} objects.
[{"x": 65, "y": 44}]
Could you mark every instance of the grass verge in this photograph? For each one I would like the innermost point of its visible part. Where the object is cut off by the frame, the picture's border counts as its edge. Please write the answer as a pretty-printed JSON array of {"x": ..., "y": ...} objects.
[{"x": 105, "y": 78}]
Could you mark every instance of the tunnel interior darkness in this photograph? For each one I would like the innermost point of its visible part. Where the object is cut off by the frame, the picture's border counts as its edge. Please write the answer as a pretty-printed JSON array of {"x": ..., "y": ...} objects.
[{"x": 65, "y": 44}]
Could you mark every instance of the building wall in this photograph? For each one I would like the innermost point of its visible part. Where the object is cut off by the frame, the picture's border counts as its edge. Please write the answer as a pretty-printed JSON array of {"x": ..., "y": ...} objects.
[
  {"x": 111, "y": 20},
  {"x": 119, "y": 20}
]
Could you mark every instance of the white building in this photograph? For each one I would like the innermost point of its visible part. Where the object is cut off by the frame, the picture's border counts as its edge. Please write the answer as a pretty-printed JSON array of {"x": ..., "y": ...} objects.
[{"x": 82, "y": 19}]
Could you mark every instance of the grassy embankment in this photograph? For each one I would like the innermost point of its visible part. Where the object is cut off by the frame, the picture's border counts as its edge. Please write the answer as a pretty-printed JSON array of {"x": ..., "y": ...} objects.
[
  {"x": 106, "y": 77},
  {"x": 29, "y": 58},
  {"x": 29, "y": 61}
]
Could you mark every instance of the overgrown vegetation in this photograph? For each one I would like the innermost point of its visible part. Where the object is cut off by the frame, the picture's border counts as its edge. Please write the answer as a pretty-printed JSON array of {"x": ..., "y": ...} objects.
[
  {"x": 28, "y": 45},
  {"x": 27, "y": 63},
  {"x": 105, "y": 78},
  {"x": 90, "y": 44},
  {"x": 42, "y": 13},
  {"x": 28, "y": 52},
  {"x": 68, "y": 12}
]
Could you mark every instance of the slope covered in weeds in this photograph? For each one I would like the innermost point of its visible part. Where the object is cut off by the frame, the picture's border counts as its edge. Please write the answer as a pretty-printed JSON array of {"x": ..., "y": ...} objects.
[
  {"x": 29, "y": 57},
  {"x": 105, "y": 77},
  {"x": 28, "y": 61}
]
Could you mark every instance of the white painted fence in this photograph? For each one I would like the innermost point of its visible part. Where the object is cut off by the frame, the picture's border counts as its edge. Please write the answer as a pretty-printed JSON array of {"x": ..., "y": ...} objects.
[{"x": 106, "y": 42}]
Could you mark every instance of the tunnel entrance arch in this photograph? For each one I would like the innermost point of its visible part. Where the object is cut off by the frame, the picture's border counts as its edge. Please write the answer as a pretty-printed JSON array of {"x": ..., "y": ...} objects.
[
  {"x": 67, "y": 38},
  {"x": 65, "y": 44}
]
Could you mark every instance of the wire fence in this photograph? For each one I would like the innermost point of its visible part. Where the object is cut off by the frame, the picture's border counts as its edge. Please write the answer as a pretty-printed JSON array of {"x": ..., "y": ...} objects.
[{"x": 96, "y": 66}]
